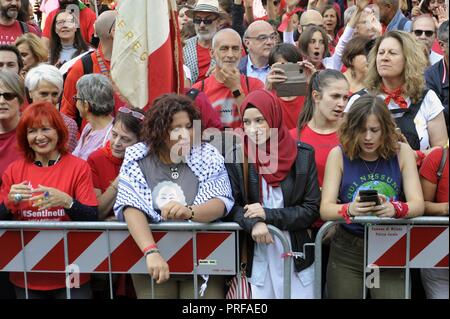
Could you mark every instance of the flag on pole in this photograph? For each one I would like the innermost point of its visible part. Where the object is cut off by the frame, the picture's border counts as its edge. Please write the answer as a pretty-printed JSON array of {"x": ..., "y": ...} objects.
[{"x": 147, "y": 55}]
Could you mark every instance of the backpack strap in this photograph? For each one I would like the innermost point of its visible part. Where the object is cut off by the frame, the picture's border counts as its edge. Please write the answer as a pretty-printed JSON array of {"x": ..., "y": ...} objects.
[
  {"x": 442, "y": 163},
  {"x": 24, "y": 27},
  {"x": 88, "y": 64}
]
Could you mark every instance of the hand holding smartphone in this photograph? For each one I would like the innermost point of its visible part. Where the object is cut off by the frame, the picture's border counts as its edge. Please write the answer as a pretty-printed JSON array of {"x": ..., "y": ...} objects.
[{"x": 369, "y": 195}]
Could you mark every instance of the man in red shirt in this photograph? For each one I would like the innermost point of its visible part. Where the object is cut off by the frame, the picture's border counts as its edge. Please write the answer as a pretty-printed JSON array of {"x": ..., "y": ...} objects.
[
  {"x": 196, "y": 52},
  {"x": 86, "y": 19},
  {"x": 10, "y": 28},
  {"x": 101, "y": 58},
  {"x": 226, "y": 87}
]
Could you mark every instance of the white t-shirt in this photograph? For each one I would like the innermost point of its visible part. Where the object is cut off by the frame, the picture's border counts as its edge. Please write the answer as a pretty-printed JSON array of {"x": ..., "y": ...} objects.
[{"x": 430, "y": 108}]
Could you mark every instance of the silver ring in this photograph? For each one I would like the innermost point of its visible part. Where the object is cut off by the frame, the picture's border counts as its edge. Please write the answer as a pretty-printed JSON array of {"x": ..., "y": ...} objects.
[{"x": 17, "y": 197}]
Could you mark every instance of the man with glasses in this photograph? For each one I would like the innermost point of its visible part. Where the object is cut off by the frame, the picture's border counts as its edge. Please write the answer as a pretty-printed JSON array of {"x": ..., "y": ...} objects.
[
  {"x": 436, "y": 75},
  {"x": 259, "y": 39},
  {"x": 10, "y": 27},
  {"x": 424, "y": 30},
  {"x": 196, "y": 52}
]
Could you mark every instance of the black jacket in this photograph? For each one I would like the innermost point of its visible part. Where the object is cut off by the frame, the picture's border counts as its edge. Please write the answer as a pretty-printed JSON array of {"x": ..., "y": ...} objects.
[{"x": 301, "y": 196}]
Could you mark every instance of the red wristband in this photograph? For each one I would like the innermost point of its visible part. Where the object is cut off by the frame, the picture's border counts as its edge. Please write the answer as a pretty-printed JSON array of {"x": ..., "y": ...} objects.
[
  {"x": 150, "y": 247},
  {"x": 344, "y": 213},
  {"x": 401, "y": 209}
]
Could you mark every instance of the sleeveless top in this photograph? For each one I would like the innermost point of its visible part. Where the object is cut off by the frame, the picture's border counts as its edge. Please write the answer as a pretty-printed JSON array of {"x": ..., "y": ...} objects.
[{"x": 381, "y": 175}]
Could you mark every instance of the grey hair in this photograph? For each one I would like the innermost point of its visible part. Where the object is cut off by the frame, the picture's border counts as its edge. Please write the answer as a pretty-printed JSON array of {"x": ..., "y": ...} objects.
[
  {"x": 44, "y": 72},
  {"x": 13, "y": 82},
  {"x": 227, "y": 30},
  {"x": 442, "y": 33},
  {"x": 97, "y": 90}
]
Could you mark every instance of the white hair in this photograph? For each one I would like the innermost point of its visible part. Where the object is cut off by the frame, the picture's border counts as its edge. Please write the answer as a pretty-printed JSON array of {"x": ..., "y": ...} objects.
[{"x": 44, "y": 72}]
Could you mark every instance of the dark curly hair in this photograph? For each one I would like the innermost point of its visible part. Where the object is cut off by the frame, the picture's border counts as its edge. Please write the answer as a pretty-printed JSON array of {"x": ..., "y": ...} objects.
[{"x": 156, "y": 126}]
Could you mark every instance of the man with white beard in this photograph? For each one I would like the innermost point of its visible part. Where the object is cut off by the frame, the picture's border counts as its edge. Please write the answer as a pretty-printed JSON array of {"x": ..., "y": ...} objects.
[
  {"x": 10, "y": 27},
  {"x": 196, "y": 51}
]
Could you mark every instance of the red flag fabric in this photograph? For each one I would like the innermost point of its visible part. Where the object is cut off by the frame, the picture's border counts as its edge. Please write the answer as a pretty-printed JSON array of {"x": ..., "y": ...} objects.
[{"x": 147, "y": 54}]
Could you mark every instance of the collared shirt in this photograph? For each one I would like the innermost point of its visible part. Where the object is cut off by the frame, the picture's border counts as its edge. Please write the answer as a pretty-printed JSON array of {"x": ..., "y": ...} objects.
[
  {"x": 255, "y": 72},
  {"x": 395, "y": 23},
  {"x": 434, "y": 57}
]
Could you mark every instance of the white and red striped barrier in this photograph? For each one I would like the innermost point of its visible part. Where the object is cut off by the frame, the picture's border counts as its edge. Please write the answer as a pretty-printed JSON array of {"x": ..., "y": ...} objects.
[
  {"x": 429, "y": 246},
  {"x": 115, "y": 251}
]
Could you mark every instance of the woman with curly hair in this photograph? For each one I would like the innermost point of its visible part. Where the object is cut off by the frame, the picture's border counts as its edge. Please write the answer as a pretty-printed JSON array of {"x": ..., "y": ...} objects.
[
  {"x": 168, "y": 177},
  {"x": 369, "y": 157},
  {"x": 395, "y": 74}
]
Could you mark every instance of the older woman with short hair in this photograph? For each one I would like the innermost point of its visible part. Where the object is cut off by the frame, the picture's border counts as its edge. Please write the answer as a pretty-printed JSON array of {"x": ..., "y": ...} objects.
[
  {"x": 95, "y": 102},
  {"x": 45, "y": 83}
]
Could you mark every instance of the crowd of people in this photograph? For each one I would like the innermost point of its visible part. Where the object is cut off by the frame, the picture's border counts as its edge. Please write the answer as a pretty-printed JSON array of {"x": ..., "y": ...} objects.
[{"x": 367, "y": 110}]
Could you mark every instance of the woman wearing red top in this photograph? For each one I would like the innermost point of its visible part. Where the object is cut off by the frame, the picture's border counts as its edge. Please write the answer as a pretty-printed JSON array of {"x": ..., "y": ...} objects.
[
  {"x": 332, "y": 23},
  {"x": 47, "y": 184},
  {"x": 105, "y": 162}
]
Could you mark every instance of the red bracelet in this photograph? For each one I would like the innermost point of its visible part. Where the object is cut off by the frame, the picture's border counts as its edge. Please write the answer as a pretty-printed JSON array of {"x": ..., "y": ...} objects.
[
  {"x": 344, "y": 213},
  {"x": 150, "y": 247},
  {"x": 401, "y": 209}
]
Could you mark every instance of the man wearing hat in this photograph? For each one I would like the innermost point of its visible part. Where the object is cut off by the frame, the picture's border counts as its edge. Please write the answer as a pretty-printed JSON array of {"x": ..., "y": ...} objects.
[{"x": 196, "y": 52}]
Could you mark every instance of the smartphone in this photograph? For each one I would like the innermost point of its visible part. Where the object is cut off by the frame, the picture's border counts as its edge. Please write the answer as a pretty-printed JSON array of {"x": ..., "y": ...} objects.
[
  {"x": 296, "y": 83},
  {"x": 369, "y": 195}
]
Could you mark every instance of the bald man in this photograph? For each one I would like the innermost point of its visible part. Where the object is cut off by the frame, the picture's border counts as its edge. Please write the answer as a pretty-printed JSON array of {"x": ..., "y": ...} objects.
[
  {"x": 95, "y": 62},
  {"x": 226, "y": 87},
  {"x": 311, "y": 17},
  {"x": 259, "y": 39}
]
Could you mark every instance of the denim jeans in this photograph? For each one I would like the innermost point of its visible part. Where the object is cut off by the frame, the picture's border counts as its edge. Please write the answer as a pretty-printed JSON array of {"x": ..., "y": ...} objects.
[{"x": 345, "y": 271}]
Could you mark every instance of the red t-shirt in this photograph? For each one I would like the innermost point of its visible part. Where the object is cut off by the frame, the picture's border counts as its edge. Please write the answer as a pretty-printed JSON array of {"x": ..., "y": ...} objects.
[
  {"x": 428, "y": 170},
  {"x": 223, "y": 100},
  {"x": 291, "y": 111},
  {"x": 8, "y": 150},
  {"x": 70, "y": 175},
  {"x": 9, "y": 33},
  {"x": 87, "y": 20},
  {"x": 204, "y": 61},
  {"x": 104, "y": 168}
]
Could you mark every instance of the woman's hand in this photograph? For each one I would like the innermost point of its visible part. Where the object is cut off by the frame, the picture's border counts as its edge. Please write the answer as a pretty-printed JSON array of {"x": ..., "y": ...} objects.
[
  {"x": 385, "y": 209},
  {"x": 358, "y": 208},
  {"x": 50, "y": 197},
  {"x": 175, "y": 210},
  {"x": 309, "y": 68},
  {"x": 415, "y": 11},
  {"x": 275, "y": 76},
  {"x": 157, "y": 267},
  {"x": 254, "y": 211},
  {"x": 19, "y": 192},
  {"x": 261, "y": 234}
]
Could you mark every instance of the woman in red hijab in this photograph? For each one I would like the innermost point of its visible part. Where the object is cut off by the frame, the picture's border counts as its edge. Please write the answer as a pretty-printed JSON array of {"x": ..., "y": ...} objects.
[{"x": 276, "y": 183}]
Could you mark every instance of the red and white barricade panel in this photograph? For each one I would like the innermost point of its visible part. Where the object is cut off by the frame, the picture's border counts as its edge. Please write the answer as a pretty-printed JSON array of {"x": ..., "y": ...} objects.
[
  {"x": 429, "y": 246},
  {"x": 90, "y": 251}
]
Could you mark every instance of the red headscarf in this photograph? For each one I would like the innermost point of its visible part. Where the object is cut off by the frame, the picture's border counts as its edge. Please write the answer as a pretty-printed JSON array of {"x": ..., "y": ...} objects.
[{"x": 285, "y": 154}]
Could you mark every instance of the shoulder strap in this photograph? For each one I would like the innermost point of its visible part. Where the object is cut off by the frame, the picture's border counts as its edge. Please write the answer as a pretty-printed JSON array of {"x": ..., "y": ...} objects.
[
  {"x": 203, "y": 85},
  {"x": 247, "y": 82},
  {"x": 442, "y": 163},
  {"x": 24, "y": 27},
  {"x": 88, "y": 64}
]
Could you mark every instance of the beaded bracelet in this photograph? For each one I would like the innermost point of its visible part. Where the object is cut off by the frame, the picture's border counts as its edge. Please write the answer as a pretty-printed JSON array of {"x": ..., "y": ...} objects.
[{"x": 192, "y": 212}]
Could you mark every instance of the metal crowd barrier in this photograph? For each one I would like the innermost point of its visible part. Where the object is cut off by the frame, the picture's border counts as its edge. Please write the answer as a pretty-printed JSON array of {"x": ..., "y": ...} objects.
[
  {"x": 399, "y": 233},
  {"x": 107, "y": 247}
]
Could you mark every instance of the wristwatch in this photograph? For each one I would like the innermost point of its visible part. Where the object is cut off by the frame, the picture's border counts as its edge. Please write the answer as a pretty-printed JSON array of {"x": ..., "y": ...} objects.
[{"x": 236, "y": 93}]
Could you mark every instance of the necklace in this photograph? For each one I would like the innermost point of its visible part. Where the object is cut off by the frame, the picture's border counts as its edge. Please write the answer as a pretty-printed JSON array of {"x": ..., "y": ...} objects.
[{"x": 371, "y": 173}]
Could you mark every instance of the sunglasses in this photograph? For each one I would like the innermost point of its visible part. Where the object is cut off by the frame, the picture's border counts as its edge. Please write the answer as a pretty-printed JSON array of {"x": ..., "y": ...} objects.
[
  {"x": 135, "y": 114},
  {"x": 204, "y": 20},
  {"x": 428, "y": 33},
  {"x": 9, "y": 96}
]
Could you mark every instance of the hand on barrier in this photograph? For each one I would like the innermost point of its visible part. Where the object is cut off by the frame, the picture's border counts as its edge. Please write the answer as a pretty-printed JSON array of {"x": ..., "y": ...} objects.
[
  {"x": 386, "y": 209},
  {"x": 254, "y": 211},
  {"x": 50, "y": 197},
  {"x": 175, "y": 210},
  {"x": 157, "y": 267},
  {"x": 261, "y": 234},
  {"x": 19, "y": 192}
]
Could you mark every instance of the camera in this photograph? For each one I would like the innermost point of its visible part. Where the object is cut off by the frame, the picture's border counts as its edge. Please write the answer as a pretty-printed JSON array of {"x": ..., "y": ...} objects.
[
  {"x": 296, "y": 83},
  {"x": 369, "y": 195}
]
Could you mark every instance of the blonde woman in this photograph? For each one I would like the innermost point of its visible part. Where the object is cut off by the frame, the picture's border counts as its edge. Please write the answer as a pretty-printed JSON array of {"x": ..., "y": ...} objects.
[{"x": 32, "y": 50}]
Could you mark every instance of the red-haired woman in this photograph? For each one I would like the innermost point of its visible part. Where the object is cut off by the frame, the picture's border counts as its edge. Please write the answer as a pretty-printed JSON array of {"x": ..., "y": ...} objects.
[{"x": 47, "y": 184}]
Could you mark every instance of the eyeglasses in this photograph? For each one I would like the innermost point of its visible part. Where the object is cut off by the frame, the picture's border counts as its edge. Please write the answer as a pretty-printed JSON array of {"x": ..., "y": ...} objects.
[
  {"x": 428, "y": 33},
  {"x": 9, "y": 96},
  {"x": 76, "y": 98},
  {"x": 135, "y": 114},
  {"x": 204, "y": 20},
  {"x": 60, "y": 23},
  {"x": 265, "y": 37}
]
